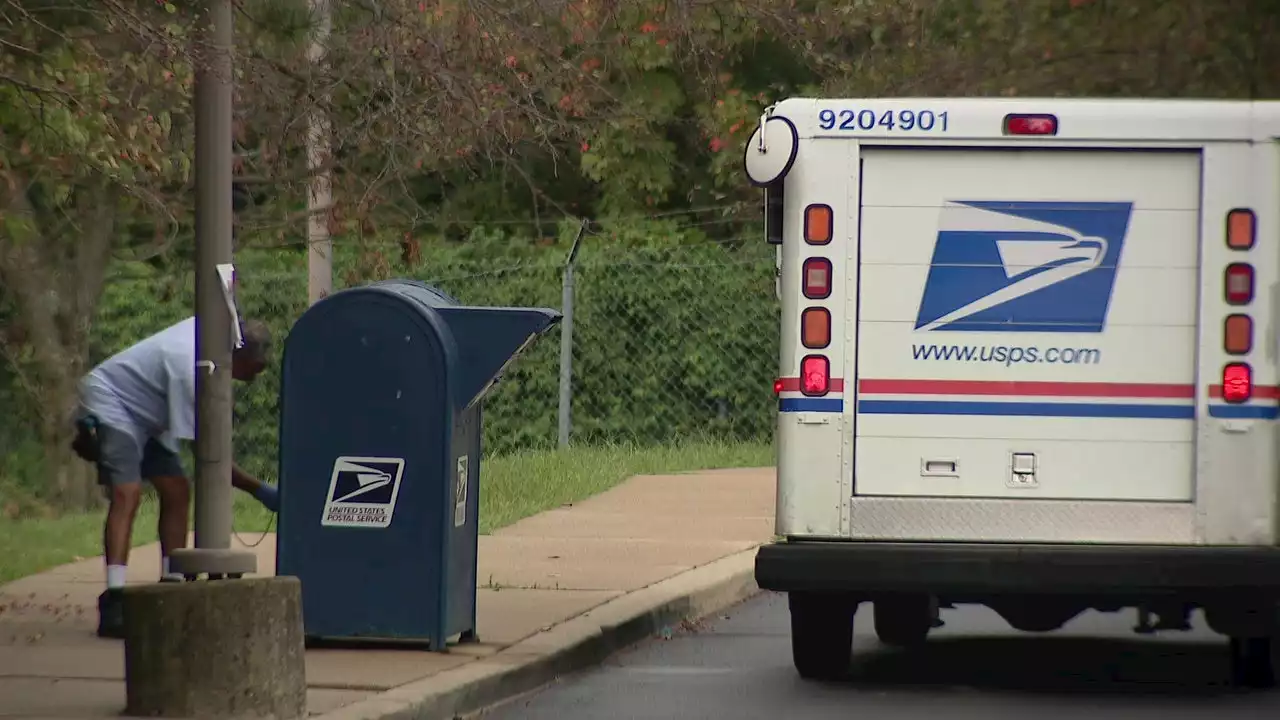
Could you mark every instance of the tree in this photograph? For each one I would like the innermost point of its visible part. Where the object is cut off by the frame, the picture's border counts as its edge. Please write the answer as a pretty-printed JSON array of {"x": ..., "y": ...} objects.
[
  {"x": 87, "y": 137},
  {"x": 448, "y": 114}
]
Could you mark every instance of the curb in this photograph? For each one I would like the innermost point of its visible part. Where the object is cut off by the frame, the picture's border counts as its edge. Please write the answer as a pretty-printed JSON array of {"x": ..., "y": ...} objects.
[{"x": 577, "y": 643}]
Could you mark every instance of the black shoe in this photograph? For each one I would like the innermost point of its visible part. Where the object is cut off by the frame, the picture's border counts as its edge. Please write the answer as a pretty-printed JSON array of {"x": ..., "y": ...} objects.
[{"x": 111, "y": 614}]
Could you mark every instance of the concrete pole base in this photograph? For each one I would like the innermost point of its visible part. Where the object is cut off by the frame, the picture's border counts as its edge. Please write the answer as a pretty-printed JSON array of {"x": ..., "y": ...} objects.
[
  {"x": 215, "y": 649},
  {"x": 194, "y": 562}
]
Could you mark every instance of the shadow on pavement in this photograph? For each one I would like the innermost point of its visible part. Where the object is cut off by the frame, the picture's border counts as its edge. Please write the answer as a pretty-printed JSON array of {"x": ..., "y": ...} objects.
[{"x": 1051, "y": 665}]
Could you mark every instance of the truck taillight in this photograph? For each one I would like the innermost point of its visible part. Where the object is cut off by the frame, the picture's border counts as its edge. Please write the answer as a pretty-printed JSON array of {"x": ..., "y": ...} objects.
[
  {"x": 817, "y": 278},
  {"x": 1237, "y": 334},
  {"x": 1237, "y": 382},
  {"x": 777, "y": 386},
  {"x": 815, "y": 375},
  {"x": 1239, "y": 284},
  {"x": 1030, "y": 125},
  {"x": 815, "y": 328},
  {"x": 818, "y": 224},
  {"x": 1241, "y": 229}
]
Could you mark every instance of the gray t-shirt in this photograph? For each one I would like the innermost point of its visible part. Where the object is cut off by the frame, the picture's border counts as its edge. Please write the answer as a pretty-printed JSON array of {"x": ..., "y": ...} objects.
[{"x": 148, "y": 390}]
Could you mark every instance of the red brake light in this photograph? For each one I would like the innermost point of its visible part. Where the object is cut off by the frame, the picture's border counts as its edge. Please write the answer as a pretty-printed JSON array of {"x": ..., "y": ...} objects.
[
  {"x": 815, "y": 375},
  {"x": 1030, "y": 125},
  {"x": 817, "y": 278},
  {"x": 777, "y": 387},
  {"x": 1237, "y": 382},
  {"x": 1239, "y": 284}
]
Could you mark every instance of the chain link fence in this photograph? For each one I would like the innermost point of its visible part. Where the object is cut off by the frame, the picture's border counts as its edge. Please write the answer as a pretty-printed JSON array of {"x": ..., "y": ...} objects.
[
  {"x": 657, "y": 344},
  {"x": 664, "y": 343}
]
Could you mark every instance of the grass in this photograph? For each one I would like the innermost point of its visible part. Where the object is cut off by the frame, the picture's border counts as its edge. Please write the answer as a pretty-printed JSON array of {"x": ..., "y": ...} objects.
[{"x": 511, "y": 487}]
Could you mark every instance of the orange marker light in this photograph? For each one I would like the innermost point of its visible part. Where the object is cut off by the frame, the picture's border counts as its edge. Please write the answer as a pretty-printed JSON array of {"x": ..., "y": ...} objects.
[
  {"x": 1238, "y": 334},
  {"x": 1241, "y": 229},
  {"x": 815, "y": 328},
  {"x": 818, "y": 223}
]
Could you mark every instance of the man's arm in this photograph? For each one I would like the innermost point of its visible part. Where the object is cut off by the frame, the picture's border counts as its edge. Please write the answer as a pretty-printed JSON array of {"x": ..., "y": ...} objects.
[
  {"x": 268, "y": 495},
  {"x": 182, "y": 422},
  {"x": 242, "y": 480}
]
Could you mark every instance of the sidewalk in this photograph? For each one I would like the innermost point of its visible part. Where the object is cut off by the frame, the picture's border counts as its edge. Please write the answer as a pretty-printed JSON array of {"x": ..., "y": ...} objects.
[{"x": 533, "y": 575}]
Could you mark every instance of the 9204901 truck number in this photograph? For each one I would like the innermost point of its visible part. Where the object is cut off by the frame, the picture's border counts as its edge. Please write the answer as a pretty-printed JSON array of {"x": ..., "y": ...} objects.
[{"x": 891, "y": 120}]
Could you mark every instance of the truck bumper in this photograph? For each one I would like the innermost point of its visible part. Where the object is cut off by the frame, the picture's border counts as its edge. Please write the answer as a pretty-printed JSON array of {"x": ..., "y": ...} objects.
[{"x": 971, "y": 571}]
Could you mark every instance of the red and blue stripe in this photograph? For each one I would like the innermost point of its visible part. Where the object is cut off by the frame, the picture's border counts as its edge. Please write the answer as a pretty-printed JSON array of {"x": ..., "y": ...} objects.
[
  {"x": 790, "y": 398},
  {"x": 1011, "y": 398}
]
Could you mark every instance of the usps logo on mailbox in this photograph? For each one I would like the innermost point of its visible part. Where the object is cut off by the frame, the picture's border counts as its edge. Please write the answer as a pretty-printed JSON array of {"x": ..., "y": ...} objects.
[{"x": 362, "y": 492}]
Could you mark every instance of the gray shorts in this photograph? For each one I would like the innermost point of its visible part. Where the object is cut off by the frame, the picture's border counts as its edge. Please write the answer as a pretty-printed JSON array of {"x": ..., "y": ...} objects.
[{"x": 120, "y": 461}]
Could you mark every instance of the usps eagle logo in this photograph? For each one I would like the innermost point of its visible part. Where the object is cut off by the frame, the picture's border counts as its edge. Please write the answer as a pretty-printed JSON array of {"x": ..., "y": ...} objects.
[
  {"x": 1024, "y": 266},
  {"x": 362, "y": 492}
]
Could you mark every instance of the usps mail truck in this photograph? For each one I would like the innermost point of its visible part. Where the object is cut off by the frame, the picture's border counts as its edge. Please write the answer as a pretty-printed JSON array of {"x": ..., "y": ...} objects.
[{"x": 1028, "y": 361}]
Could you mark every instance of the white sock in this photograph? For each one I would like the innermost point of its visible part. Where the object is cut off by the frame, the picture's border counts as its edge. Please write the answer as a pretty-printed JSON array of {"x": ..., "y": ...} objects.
[{"x": 116, "y": 576}]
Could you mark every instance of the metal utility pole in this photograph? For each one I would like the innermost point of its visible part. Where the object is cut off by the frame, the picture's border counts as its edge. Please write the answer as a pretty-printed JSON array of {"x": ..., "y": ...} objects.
[
  {"x": 320, "y": 194},
  {"x": 235, "y": 647},
  {"x": 564, "y": 423},
  {"x": 212, "y": 554}
]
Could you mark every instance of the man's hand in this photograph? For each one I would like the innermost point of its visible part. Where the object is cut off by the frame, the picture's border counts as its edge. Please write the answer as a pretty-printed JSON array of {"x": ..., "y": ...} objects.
[
  {"x": 269, "y": 496},
  {"x": 266, "y": 494}
]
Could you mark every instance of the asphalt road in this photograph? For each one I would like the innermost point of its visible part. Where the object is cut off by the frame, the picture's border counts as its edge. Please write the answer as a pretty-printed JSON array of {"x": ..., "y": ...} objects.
[{"x": 738, "y": 665}]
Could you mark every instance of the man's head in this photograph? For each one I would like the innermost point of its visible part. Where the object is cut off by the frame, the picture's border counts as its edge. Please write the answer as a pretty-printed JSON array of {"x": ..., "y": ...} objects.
[{"x": 251, "y": 358}]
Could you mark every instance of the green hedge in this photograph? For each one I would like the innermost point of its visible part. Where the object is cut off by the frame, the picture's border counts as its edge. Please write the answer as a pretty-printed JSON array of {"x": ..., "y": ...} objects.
[{"x": 674, "y": 336}]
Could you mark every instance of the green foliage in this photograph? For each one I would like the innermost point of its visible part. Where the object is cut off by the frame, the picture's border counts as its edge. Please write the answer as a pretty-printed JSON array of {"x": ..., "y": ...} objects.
[
  {"x": 87, "y": 146},
  {"x": 674, "y": 336},
  {"x": 449, "y": 118}
]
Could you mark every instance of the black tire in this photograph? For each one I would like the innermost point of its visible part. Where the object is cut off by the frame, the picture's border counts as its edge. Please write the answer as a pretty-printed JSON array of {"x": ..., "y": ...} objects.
[
  {"x": 1253, "y": 662},
  {"x": 821, "y": 635},
  {"x": 904, "y": 621}
]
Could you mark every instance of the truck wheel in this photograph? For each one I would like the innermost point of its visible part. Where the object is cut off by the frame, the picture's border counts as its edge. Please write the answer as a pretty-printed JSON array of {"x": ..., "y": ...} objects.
[
  {"x": 821, "y": 635},
  {"x": 1252, "y": 662},
  {"x": 905, "y": 620}
]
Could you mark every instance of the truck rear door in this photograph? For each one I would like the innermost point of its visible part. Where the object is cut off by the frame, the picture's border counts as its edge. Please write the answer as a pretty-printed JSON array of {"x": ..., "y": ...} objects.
[{"x": 1027, "y": 323}]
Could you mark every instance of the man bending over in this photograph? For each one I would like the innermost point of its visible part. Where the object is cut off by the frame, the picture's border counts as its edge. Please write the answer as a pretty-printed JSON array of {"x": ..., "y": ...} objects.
[{"x": 134, "y": 408}]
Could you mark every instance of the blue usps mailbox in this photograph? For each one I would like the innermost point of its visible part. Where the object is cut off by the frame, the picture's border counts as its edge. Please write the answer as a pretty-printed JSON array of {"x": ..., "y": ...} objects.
[{"x": 380, "y": 420}]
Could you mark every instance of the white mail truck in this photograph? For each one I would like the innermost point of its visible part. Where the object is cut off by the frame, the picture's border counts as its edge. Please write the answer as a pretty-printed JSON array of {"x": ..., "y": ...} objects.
[{"x": 1028, "y": 361}]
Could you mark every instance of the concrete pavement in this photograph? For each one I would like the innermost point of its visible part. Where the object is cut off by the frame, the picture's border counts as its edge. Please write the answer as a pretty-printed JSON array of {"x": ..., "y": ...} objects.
[{"x": 556, "y": 590}]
